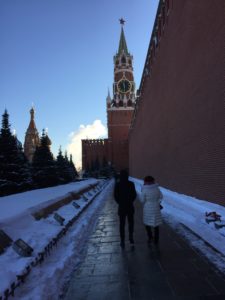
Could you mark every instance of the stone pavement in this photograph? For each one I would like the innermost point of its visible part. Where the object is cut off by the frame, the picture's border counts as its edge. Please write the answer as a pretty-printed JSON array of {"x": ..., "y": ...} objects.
[{"x": 139, "y": 272}]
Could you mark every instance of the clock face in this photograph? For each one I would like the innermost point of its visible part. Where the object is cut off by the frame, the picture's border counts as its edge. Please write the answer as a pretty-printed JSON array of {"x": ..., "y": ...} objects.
[{"x": 124, "y": 86}]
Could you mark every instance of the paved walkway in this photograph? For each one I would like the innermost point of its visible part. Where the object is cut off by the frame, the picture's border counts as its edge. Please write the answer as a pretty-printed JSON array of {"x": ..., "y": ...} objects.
[{"x": 139, "y": 272}]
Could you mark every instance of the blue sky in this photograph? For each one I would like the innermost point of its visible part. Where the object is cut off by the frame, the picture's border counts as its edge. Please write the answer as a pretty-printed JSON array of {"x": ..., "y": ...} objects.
[{"x": 58, "y": 55}]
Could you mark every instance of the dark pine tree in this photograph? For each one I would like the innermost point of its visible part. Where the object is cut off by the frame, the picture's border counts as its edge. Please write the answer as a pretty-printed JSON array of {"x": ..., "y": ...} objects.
[
  {"x": 44, "y": 169},
  {"x": 60, "y": 163},
  {"x": 62, "y": 167},
  {"x": 70, "y": 174},
  {"x": 72, "y": 167},
  {"x": 15, "y": 173}
]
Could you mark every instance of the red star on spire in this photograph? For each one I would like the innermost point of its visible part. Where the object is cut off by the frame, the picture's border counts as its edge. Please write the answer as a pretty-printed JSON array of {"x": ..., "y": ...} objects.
[{"x": 122, "y": 21}]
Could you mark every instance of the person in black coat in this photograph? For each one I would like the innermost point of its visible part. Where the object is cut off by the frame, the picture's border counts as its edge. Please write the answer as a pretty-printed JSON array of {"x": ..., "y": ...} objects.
[{"x": 125, "y": 194}]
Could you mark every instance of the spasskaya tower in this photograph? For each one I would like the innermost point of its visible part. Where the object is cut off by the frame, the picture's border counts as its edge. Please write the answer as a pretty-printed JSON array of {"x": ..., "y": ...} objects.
[{"x": 120, "y": 110}]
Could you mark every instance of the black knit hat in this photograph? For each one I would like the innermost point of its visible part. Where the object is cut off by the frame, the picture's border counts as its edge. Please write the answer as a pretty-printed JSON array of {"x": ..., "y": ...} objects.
[{"x": 149, "y": 179}]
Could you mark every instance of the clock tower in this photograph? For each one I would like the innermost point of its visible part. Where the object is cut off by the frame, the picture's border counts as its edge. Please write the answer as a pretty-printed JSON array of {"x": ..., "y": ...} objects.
[{"x": 121, "y": 107}]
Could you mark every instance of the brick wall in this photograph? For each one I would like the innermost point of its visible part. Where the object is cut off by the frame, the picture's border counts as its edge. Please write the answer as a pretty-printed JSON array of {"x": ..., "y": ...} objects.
[
  {"x": 92, "y": 150},
  {"x": 118, "y": 127},
  {"x": 119, "y": 123},
  {"x": 181, "y": 109}
]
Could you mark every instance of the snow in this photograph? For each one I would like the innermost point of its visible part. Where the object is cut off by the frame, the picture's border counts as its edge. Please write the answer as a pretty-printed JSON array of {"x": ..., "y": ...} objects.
[
  {"x": 38, "y": 234},
  {"x": 187, "y": 216},
  {"x": 47, "y": 280},
  {"x": 16, "y": 204}
]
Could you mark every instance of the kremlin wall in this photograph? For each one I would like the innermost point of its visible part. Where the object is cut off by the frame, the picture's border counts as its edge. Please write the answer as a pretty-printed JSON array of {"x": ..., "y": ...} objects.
[{"x": 177, "y": 133}]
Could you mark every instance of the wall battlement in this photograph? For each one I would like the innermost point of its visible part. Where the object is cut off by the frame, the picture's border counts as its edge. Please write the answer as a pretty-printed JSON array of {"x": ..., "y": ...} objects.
[
  {"x": 94, "y": 142},
  {"x": 159, "y": 28}
]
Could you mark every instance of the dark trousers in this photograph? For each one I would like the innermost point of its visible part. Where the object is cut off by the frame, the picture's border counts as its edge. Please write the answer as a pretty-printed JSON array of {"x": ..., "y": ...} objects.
[
  {"x": 130, "y": 218},
  {"x": 149, "y": 230}
]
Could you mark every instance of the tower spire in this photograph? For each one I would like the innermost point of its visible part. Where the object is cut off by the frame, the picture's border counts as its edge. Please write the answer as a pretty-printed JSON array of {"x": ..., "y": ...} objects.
[
  {"x": 32, "y": 114},
  {"x": 122, "y": 44},
  {"x": 108, "y": 99},
  {"x": 108, "y": 93},
  {"x": 32, "y": 125},
  {"x": 31, "y": 137}
]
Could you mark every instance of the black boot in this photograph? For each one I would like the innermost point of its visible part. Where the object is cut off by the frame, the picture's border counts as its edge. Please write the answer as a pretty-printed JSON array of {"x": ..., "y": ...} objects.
[
  {"x": 131, "y": 240},
  {"x": 122, "y": 244},
  {"x": 149, "y": 233},
  {"x": 156, "y": 235}
]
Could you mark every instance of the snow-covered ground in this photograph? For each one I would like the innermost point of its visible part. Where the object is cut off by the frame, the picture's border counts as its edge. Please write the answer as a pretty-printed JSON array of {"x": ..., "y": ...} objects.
[
  {"x": 46, "y": 280},
  {"x": 187, "y": 216}
]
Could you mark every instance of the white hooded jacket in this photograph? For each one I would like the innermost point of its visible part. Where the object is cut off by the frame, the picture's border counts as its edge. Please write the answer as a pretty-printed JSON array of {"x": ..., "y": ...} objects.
[{"x": 150, "y": 198}]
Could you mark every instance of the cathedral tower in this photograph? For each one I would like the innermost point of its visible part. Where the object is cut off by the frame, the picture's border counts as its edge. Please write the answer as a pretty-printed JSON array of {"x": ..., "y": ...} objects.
[
  {"x": 31, "y": 138},
  {"x": 121, "y": 107}
]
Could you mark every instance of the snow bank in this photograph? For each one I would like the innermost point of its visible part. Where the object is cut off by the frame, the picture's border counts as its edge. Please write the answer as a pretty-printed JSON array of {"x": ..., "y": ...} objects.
[
  {"x": 13, "y": 205},
  {"x": 191, "y": 212},
  {"x": 17, "y": 221}
]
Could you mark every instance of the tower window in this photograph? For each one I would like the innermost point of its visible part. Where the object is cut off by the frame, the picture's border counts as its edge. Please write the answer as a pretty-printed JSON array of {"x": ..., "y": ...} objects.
[
  {"x": 129, "y": 103},
  {"x": 123, "y": 60}
]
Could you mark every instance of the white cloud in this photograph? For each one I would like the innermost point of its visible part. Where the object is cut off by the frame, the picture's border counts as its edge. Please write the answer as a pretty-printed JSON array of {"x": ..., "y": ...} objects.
[{"x": 93, "y": 131}]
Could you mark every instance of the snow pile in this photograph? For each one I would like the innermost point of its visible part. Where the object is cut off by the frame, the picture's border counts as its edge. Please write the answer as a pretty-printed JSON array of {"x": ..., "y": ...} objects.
[
  {"x": 13, "y": 205},
  {"x": 191, "y": 212},
  {"x": 17, "y": 221}
]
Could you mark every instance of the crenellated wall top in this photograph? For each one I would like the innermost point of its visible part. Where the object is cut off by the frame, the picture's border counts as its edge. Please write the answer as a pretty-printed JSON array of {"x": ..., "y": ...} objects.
[
  {"x": 94, "y": 142},
  {"x": 161, "y": 20}
]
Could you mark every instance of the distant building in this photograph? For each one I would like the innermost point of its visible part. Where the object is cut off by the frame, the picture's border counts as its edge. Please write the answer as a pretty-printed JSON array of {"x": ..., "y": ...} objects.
[
  {"x": 32, "y": 139},
  {"x": 120, "y": 108}
]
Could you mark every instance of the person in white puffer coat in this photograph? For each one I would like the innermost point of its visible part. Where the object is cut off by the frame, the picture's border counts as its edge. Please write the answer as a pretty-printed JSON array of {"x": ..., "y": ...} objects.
[{"x": 150, "y": 198}]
